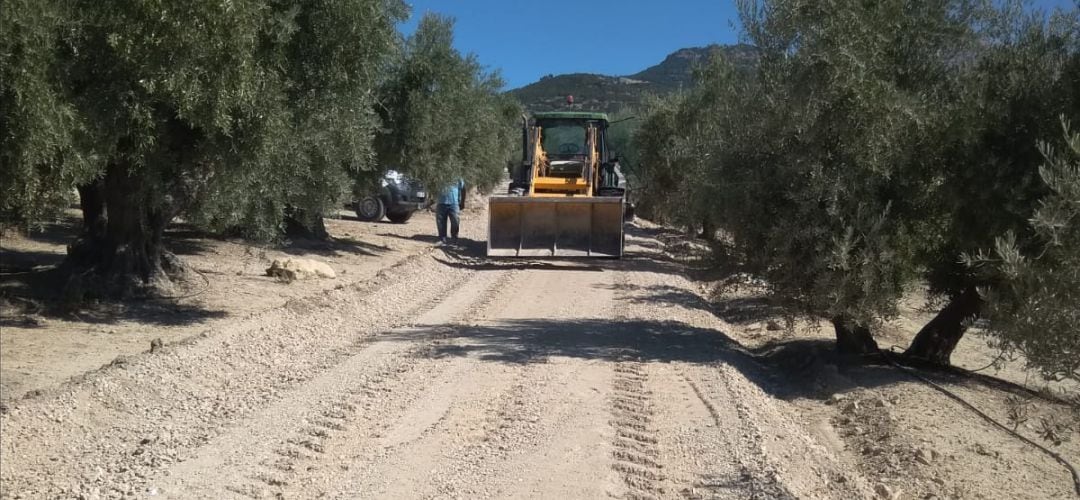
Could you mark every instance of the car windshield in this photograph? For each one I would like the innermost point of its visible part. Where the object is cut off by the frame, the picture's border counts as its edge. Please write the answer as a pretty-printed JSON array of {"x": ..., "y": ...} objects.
[{"x": 563, "y": 138}]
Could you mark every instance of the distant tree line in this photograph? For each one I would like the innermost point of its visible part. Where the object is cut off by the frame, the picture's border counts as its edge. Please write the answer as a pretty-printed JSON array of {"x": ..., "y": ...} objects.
[
  {"x": 233, "y": 115},
  {"x": 883, "y": 147}
]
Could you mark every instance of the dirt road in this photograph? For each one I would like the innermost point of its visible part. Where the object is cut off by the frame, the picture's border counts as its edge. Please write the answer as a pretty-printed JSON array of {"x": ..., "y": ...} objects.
[
  {"x": 438, "y": 373},
  {"x": 446, "y": 376}
]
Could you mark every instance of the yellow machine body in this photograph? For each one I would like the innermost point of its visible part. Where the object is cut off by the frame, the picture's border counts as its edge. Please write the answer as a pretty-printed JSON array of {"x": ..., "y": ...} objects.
[{"x": 556, "y": 210}]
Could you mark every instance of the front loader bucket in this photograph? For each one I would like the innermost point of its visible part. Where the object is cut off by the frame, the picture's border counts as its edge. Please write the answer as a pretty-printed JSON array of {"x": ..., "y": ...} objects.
[{"x": 522, "y": 226}]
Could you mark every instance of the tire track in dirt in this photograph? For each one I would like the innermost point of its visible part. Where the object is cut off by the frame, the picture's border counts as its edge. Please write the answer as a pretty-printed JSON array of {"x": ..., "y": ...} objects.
[
  {"x": 636, "y": 451},
  {"x": 533, "y": 383},
  {"x": 402, "y": 449},
  {"x": 306, "y": 447},
  {"x": 527, "y": 426},
  {"x": 566, "y": 450},
  {"x": 508, "y": 424},
  {"x": 635, "y": 444},
  {"x": 752, "y": 477},
  {"x": 419, "y": 401},
  {"x": 722, "y": 432},
  {"x": 776, "y": 457},
  {"x": 351, "y": 400}
]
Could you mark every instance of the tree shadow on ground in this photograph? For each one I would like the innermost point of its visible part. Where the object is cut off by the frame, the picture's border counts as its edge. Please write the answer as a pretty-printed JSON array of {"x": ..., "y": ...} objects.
[
  {"x": 149, "y": 312},
  {"x": 651, "y": 245},
  {"x": 353, "y": 218},
  {"x": 662, "y": 294},
  {"x": 23, "y": 261},
  {"x": 737, "y": 311},
  {"x": 422, "y": 238},
  {"x": 489, "y": 264},
  {"x": 33, "y": 282},
  {"x": 333, "y": 247},
  {"x": 784, "y": 371},
  {"x": 38, "y": 292},
  {"x": 472, "y": 254},
  {"x": 27, "y": 297},
  {"x": 746, "y": 310},
  {"x": 813, "y": 368},
  {"x": 61, "y": 233},
  {"x": 183, "y": 240}
]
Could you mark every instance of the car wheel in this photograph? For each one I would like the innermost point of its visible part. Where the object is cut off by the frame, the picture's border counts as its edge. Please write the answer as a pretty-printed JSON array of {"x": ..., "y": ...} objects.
[
  {"x": 399, "y": 217},
  {"x": 370, "y": 209}
]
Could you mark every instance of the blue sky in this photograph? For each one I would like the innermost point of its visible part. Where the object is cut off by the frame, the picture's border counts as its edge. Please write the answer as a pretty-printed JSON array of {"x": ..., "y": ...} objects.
[{"x": 529, "y": 39}]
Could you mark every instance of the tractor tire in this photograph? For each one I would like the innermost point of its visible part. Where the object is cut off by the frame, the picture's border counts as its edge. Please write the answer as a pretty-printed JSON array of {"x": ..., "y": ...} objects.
[
  {"x": 399, "y": 217},
  {"x": 370, "y": 209}
]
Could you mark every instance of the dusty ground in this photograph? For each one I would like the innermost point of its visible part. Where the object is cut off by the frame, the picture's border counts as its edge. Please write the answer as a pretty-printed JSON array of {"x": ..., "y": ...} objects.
[
  {"x": 437, "y": 373},
  {"x": 235, "y": 287}
]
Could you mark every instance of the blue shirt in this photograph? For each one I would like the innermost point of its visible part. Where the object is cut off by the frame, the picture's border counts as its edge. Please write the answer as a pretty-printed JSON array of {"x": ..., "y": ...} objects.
[{"x": 452, "y": 194}]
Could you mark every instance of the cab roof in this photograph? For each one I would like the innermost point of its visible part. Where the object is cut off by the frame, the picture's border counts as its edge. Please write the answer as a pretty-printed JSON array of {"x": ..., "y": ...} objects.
[{"x": 570, "y": 115}]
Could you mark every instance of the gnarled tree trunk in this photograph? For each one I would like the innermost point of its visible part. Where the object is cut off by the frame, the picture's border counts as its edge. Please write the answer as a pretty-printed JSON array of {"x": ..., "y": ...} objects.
[
  {"x": 853, "y": 338},
  {"x": 123, "y": 238},
  {"x": 92, "y": 202},
  {"x": 936, "y": 340},
  {"x": 708, "y": 229},
  {"x": 299, "y": 224}
]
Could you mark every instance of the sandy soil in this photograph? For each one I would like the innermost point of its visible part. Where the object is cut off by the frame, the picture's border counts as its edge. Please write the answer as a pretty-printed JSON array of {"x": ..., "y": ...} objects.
[
  {"x": 235, "y": 287},
  {"x": 428, "y": 372}
]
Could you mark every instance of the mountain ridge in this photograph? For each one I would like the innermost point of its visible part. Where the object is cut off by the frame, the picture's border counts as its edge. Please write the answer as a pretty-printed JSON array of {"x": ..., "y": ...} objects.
[{"x": 611, "y": 94}]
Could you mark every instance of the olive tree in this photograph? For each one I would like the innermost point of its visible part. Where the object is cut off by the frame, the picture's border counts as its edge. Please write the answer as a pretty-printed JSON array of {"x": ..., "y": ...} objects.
[
  {"x": 225, "y": 112},
  {"x": 675, "y": 147},
  {"x": 443, "y": 115},
  {"x": 1033, "y": 305},
  {"x": 874, "y": 146},
  {"x": 819, "y": 166},
  {"x": 43, "y": 150},
  {"x": 1025, "y": 74}
]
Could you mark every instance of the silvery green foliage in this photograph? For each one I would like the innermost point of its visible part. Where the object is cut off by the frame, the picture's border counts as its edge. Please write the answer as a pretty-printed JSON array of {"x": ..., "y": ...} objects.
[
  {"x": 40, "y": 155},
  {"x": 875, "y": 141},
  {"x": 321, "y": 61},
  {"x": 225, "y": 112},
  {"x": 678, "y": 142},
  {"x": 442, "y": 114},
  {"x": 1035, "y": 307},
  {"x": 812, "y": 164},
  {"x": 1009, "y": 95}
]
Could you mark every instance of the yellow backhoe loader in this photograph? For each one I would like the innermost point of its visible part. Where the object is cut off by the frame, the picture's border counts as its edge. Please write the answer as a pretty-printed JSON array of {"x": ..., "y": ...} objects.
[{"x": 567, "y": 198}]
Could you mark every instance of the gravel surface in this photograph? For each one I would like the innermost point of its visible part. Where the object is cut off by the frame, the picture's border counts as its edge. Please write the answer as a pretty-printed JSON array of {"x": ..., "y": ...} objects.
[{"x": 448, "y": 375}]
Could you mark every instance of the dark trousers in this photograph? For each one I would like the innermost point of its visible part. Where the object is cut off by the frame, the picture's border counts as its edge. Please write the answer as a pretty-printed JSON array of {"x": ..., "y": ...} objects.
[{"x": 442, "y": 212}]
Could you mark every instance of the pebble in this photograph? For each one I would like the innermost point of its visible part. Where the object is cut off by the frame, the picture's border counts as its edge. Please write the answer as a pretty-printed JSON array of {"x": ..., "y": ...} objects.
[
  {"x": 923, "y": 457},
  {"x": 886, "y": 492}
]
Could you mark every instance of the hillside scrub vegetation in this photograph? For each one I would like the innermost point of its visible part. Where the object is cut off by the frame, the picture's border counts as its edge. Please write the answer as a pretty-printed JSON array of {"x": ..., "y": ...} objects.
[
  {"x": 236, "y": 116},
  {"x": 621, "y": 94},
  {"x": 880, "y": 147}
]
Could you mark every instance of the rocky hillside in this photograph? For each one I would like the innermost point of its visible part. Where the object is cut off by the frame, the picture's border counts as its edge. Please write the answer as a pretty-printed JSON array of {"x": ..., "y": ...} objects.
[{"x": 613, "y": 93}]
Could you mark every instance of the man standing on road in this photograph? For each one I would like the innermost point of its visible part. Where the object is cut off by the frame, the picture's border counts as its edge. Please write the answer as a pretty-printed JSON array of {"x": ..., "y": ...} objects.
[{"x": 451, "y": 202}]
